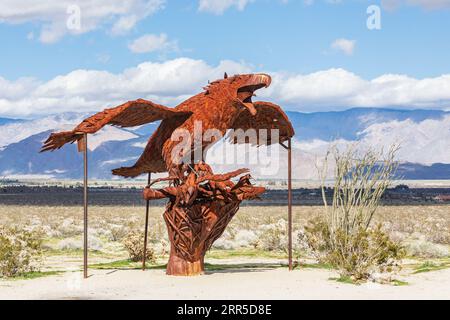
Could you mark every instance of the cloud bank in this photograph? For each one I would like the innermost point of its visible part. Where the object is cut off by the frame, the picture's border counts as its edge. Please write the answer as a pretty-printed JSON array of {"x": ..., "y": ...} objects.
[
  {"x": 172, "y": 81},
  {"x": 57, "y": 18},
  {"x": 338, "y": 89}
]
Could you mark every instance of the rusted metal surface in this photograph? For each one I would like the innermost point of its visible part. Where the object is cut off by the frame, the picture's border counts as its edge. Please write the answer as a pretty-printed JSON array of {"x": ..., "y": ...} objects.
[
  {"x": 201, "y": 204},
  {"x": 85, "y": 205},
  {"x": 225, "y": 104},
  {"x": 288, "y": 147},
  {"x": 290, "y": 203},
  {"x": 147, "y": 209}
]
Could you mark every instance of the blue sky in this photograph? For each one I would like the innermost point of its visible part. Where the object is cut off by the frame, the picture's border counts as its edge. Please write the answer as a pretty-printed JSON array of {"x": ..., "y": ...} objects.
[{"x": 289, "y": 38}]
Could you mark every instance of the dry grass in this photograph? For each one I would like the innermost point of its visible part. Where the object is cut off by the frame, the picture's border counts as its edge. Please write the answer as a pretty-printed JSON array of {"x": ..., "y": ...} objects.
[
  {"x": 425, "y": 230},
  {"x": 432, "y": 222}
]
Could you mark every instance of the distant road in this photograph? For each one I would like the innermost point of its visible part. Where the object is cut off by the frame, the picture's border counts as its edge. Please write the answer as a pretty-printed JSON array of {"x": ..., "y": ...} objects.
[{"x": 53, "y": 196}]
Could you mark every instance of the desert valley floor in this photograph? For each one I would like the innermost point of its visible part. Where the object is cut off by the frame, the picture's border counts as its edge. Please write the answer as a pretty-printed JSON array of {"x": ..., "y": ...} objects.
[{"x": 248, "y": 261}]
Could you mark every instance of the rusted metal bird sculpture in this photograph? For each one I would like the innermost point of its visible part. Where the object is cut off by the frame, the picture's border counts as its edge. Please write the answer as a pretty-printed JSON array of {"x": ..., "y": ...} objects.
[
  {"x": 200, "y": 203},
  {"x": 224, "y": 104}
]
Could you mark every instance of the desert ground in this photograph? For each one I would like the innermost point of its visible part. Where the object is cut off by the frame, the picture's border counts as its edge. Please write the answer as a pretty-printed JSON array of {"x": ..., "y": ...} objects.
[
  {"x": 270, "y": 284},
  {"x": 247, "y": 262}
]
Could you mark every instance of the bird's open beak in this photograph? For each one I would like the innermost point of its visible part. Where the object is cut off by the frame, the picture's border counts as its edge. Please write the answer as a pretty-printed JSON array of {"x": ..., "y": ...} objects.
[
  {"x": 264, "y": 79},
  {"x": 255, "y": 82},
  {"x": 247, "y": 89}
]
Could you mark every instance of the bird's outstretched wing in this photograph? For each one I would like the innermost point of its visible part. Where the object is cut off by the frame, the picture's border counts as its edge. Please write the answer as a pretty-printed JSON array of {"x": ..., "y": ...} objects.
[
  {"x": 269, "y": 116},
  {"x": 129, "y": 114}
]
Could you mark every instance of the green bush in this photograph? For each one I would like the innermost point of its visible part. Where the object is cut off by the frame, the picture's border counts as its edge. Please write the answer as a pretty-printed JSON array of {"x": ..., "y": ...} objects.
[
  {"x": 134, "y": 243},
  {"x": 344, "y": 237},
  {"x": 20, "y": 251},
  {"x": 273, "y": 237},
  {"x": 355, "y": 255}
]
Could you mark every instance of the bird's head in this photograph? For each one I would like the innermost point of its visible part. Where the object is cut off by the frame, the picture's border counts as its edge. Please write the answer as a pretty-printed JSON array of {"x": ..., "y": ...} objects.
[{"x": 242, "y": 87}]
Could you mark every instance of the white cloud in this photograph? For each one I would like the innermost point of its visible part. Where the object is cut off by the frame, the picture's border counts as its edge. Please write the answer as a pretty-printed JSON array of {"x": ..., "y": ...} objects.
[
  {"x": 151, "y": 43},
  {"x": 15, "y": 89},
  {"x": 338, "y": 89},
  {"x": 53, "y": 15},
  {"x": 88, "y": 90},
  {"x": 173, "y": 81},
  {"x": 344, "y": 45},
  {"x": 220, "y": 6}
]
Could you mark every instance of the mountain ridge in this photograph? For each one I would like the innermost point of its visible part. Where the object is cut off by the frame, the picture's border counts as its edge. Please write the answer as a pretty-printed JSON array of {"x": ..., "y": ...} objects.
[{"x": 427, "y": 133}]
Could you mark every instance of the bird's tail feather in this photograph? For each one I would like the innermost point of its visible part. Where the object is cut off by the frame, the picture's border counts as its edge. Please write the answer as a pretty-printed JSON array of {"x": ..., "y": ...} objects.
[
  {"x": 57, "y": 140},
  {"x": 128, "y": 172}
]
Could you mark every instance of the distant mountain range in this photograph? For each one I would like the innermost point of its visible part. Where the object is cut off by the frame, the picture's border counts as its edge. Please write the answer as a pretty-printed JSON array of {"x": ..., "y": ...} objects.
[{"x": 424, "y": 136}]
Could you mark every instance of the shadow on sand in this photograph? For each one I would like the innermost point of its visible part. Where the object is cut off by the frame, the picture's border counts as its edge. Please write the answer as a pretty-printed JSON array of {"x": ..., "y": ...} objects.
[{"x": 210, "y": 268}]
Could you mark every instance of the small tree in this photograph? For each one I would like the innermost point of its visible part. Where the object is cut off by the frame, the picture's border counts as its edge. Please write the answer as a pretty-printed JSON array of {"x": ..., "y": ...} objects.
[{"x": 344, "y": 237}]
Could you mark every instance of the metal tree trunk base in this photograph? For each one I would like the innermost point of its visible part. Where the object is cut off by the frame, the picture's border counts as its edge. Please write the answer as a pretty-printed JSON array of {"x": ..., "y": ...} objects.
[
  {"x": 179, "y": 267},
  {"x": 200, "y": 206},
  {"x": 192, "y": 231}
]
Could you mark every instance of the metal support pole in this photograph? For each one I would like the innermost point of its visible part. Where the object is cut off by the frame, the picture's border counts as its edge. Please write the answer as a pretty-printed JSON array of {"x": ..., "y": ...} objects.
[
  {"x": 85, "y": 199},
  {"x": 147, "y": 209},
  {"x": 290, "y": 202}
]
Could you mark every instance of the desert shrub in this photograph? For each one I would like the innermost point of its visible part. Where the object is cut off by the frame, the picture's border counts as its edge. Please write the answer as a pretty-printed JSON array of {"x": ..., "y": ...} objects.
[
  {"x": 245, "y": 238},
  {"x": 158, "y": 231},
  {"x": 420, "y": 228},
  {"x": 134, "y": 243},
  {"x": 94, "y": 243},
  {"x": 70, "y": 244},
  {"x": 355, "y": 255},
  {"x": 20, "y": 251},
  {"x": 273, "y": 237},
  {"x": 343, "y": 238},
  {"x": 236, "y": 238},
  {"x": 422, "y": 248},
  {"x": 69, "y": 228},
  {"x": 225, "y": 241},
  {"x": 118, "y": 232}
]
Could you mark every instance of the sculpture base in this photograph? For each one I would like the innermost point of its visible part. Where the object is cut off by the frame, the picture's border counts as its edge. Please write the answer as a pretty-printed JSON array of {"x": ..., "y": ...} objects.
[
  {"x": 200, "y": 207},
  {"x": 179, "y": 267}
]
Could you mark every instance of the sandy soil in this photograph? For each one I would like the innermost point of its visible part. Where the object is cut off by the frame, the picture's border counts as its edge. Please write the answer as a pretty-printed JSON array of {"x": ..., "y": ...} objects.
[{"x": 249, "y": 284}]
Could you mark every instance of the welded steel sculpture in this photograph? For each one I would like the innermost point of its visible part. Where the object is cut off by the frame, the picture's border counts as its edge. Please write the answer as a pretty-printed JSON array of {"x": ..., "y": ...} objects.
[
  {"x": 201, "y": 203},
  {"x": 200, "y": 207}
]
